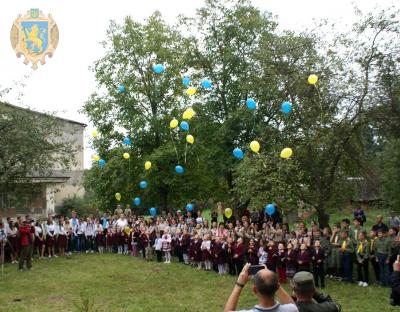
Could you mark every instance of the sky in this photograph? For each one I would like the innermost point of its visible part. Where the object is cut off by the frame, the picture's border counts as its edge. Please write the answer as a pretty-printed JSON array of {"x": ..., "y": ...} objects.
[{"x": 65, "y": 82}]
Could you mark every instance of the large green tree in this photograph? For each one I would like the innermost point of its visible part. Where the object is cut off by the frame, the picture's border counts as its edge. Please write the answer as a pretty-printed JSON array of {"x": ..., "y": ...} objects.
[
  {"x": 239, "y": 49},
  {"x": 143, "y": 113}
]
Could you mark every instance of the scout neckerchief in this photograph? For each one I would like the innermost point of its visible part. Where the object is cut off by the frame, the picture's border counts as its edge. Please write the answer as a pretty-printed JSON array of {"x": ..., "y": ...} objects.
[
  {"x": 344, "y": 244},
  {"x": 373, "y": 243},
  {"x": 360, "y": 247}
]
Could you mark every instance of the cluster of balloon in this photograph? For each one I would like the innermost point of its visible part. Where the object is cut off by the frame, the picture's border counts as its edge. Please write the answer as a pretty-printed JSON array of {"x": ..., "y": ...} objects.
[
  {"x": 153, "y": 211},
  {"x": 238, "y": 153},
  {"x": 118, "y": 196},
  {"x": 127, "y": 141},
  {"x": 270, "y": 209},
  {"x": 121, "y": 88},
  {"x": 312, "y": 79},
  {"x": 179, "y": 169},
  {"x": 102, "y": 163},
  {"x": 137, "y": 201},
  {"x": 126, "y": 155},
  {"x": 158, "y": 68},
  {"x": 251, "y": 104},
  {"x": 286, "y": 153},
  {"x": 147, "y": 165},
  {"x": 286, "y": 107},
  {"x": 189, "y": 207},
  {"x": 143, "y": 185},
  {"x": 206, "y": 84},
  {"x": 255, "y": 146},
  {"x": 96, "y": 157},
  {"x": 184, "y": 126},
  {"x": 228, "y": 212}
]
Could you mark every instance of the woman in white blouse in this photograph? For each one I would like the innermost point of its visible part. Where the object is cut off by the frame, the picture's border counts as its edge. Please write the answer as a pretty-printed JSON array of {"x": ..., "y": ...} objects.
[
  {"x": 62, "y": 237},
  {"x": 50, "y": 236},
  {"x": 39, "y": 239}
]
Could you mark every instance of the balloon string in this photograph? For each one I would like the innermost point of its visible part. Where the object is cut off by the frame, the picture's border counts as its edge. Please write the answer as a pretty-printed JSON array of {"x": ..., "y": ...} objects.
[
  {"x": 173, "y": 143},
  {"x": 320, "y": 103},
  {"x": 254, "y": 122},
  {"x": 185, "y": 152}
]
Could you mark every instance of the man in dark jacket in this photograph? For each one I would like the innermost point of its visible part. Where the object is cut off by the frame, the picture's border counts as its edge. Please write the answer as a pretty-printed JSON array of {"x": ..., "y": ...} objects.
[
  {"x": 308, "y": 300},
  {"x": 395, "y": 283}
]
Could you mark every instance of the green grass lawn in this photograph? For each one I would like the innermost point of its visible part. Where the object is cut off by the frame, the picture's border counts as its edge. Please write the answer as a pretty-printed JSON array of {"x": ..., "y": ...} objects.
[{"x": 112, "y": 282}]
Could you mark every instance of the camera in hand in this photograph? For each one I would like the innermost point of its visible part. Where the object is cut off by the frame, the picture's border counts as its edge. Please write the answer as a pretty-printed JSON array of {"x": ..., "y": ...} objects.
[{"x": 255, "y": 268}]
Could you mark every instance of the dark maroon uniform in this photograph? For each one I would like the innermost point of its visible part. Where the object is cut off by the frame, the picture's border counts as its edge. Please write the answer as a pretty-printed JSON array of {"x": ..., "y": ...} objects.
[
  {"x": 198, "y": 252},
  {"x": 251, "y": 255},
  {"x": 192, "y": 249},
  {"x": 318, "y": 258},
  {"x": 291, "y": 263},
  {"x": 272, "y": 258},
  {"x": 110, "y": 239},
  {"x": 238, "y": 257},
  {"x": 218, "y": 253},
  {"x": 99, "y": 239},
  {"x": 184, "y": 243},
  {"x": 303, "y": 260}
]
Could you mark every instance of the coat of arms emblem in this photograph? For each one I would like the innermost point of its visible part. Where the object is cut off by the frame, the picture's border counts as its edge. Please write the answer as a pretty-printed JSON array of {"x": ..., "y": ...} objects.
[{"x": 34, "y": 36}]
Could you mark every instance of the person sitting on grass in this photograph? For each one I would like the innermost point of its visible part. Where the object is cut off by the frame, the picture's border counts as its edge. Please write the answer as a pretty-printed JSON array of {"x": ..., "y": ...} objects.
[
  {"x": 265, "y": 287},
  {"x": 308, "y": 299}
]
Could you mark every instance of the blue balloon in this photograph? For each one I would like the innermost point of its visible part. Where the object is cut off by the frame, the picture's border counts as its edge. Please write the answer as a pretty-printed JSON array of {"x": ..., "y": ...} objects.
[
  {"x": 251, "y": 104},
  {"x": 238, "y": 153},
  {"x": 158, "y": 68},
  {"x": 270, "y": 209},
  {"x": 189, "y": 207},
  {"x": 102, "y": 163},
  {"x": 143, "y": 185},
  {"x": 186, "y": 81},
  {"x": 127, "y": 141},
  {"x": 179, "y": 169},
  {"x": 137, "y": 201},
  {"x": 206, "y": 84},
  {"x": 286, "y": 107},
  {"x": 185, "y": 126},
  {"x": 121, "y": 88},
  {"x": 153, "y": 211}
]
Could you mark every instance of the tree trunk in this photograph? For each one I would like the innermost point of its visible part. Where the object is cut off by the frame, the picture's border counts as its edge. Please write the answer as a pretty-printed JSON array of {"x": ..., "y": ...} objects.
[
  {"x": 164, "y": 198},
  {"x": 323, "y": 217}
]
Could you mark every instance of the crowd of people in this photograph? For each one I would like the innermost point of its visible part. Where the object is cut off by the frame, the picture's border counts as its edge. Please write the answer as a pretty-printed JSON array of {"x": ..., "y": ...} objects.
[{"x": 255, "y": 238}]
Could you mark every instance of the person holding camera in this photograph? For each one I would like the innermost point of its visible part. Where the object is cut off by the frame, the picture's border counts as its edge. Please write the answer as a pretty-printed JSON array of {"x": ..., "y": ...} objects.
[
  {"x": 25, "y": 234},
  {"x": 308, "y": 299},
  {"x": 265, "y": 287}
]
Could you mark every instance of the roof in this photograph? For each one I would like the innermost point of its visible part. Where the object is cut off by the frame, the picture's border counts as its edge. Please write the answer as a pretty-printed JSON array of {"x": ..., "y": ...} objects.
[{"x": 44, "y": 114}]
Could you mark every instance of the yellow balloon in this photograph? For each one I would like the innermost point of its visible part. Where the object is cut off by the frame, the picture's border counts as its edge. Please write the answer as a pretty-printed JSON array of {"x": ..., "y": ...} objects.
[
  {"x": 188, "y": 114},
  {"x": 228, "y": 212},
  {"x": 95, "y": 133},
  {"x": 96, "y": 157},
  {"x": 312, "y": 79},
  {"x": 191, "y": 91},
  {"x": 190, "y": 139},
  {"x": 147, "y": 165},
  {"x": 286, "y": 153},
  {"x": 174, "y": 123},
  {"x": 118, "y": 196},
  {"x": 126, "y": 155},
  {"x": 255, "y": 146}
]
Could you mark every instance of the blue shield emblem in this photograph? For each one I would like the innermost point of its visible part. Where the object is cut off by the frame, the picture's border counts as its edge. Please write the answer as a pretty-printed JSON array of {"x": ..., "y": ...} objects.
[{"x": 35, "y": 36}]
